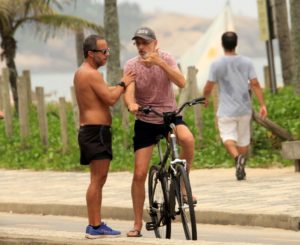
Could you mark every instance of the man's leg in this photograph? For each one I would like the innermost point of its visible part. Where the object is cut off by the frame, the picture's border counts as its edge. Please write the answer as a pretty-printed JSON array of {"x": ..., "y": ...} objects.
[
  {"x": 229, "y": 132},
  {"x": 231, "y": 148},
  {"x": 238, "y": 154},
  {"x": 98, "y": 175},
  {"x": 243, "y": 131},
  {"x": 142, "y": 159},
  {"x": 243, "y": 149},
  {"x": 187, "y": 143}
]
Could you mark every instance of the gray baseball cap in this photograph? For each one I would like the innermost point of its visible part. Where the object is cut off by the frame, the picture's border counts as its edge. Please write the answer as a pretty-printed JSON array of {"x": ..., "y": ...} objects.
[{"x": 145, "y": 33}]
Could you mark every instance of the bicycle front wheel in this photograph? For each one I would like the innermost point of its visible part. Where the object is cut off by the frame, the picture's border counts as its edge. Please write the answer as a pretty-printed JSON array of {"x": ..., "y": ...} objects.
[
  {"x": 158, "y": 203},
  {"x": 184, "y": 203}
]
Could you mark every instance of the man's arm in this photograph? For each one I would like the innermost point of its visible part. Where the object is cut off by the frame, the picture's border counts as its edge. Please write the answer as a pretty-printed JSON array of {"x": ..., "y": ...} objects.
[
  {"x": 207, "y": 91},
  {"x": 109, "y": 95},
  {"x": 254, "y": 84},
  {"x": 129, "y": 98},
  {"x": 173, "y": 74}
]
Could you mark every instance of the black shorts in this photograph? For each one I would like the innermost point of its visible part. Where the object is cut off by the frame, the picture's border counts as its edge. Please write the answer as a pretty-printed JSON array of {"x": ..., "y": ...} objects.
[
  {"x": 95, "y": 143},
  {"x": 145, "y": 134}
]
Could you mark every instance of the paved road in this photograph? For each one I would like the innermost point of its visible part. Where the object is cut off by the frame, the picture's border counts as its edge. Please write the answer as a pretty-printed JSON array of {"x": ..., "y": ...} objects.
[
  {"x": 269, "y": 197},
  {"x": 73, "y": 227}
]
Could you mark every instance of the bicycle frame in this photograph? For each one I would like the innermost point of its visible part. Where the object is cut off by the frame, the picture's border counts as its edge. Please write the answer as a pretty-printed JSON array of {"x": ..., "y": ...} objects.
[
  {"x": 167, "y": 174},
  {"x": 172, "y": 148}
]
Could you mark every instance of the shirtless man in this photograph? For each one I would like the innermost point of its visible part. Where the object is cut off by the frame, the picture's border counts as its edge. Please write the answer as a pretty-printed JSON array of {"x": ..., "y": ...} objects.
[{"x": 94, "y": 97}]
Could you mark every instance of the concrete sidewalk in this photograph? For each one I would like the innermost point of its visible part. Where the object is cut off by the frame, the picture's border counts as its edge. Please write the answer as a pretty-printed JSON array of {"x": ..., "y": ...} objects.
[{"x": 268, "y": 198}]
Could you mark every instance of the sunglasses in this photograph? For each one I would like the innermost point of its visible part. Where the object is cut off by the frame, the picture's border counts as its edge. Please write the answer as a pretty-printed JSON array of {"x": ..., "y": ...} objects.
[{"x": 103, "y": 51}]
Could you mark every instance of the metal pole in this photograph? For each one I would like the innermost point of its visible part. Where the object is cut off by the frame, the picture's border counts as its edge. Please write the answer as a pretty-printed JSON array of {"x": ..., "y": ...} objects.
[
  {"x": 271, "y": 64},
  {"x": 270, "y": 53}
]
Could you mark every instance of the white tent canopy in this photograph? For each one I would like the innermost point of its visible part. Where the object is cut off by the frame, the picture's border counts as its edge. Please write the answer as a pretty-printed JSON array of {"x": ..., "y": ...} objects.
[{"x": 209, "y": 47}]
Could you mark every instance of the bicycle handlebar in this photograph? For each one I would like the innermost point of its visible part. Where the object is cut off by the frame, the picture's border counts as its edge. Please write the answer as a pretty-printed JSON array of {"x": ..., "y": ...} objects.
[{"x": 148, "y": 109}]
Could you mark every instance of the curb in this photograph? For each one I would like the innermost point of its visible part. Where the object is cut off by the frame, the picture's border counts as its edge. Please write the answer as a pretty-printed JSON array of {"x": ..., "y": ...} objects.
[
  {"x": 203, "y": 216},
  {"x": 9, "y": 239}
]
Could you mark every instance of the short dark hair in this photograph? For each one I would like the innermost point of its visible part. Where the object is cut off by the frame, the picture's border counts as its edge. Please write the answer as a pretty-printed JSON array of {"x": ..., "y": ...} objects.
[
  {"x": 90, "y": 43},
  {"x": 229, "y": 40}
]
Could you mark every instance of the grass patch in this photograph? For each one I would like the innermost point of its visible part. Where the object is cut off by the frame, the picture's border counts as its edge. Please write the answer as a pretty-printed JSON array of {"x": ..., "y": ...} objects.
[{"x": 283, "y": 109}]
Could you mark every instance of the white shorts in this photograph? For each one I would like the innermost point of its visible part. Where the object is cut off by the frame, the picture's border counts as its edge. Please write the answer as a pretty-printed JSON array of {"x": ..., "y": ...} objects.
[{"x": 235, "y": 128}]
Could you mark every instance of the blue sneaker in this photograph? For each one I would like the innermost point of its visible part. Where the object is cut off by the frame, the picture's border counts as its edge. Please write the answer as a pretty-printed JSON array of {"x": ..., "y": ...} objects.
[{"x": 102, "y": 231}]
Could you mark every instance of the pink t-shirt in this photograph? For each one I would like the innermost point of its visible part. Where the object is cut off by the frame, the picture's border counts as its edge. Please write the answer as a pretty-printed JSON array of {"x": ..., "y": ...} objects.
[{"x": 153, "y": 87}]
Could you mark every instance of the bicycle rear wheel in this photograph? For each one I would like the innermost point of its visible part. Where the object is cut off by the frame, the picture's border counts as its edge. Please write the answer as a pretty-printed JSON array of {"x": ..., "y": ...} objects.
[
  {"x": 184, "y": 203},
  {"x": 158, "y": 204}
]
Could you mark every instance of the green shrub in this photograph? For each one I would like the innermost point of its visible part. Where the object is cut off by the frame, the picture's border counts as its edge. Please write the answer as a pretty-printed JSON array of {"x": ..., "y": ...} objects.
[{"x": 283, "y": 109}]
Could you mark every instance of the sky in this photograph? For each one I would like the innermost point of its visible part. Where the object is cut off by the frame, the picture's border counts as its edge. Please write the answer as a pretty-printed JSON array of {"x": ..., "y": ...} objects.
[{"x": 200, "y": 8}]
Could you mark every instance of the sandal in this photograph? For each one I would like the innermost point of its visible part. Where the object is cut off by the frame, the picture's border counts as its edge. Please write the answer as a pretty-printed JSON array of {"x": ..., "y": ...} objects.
[{"x": 134, "y": 233}]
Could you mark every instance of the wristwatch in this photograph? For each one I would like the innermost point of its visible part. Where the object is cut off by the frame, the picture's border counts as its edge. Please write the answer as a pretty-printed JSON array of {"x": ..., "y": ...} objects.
[{"x": 122, "y": 84}]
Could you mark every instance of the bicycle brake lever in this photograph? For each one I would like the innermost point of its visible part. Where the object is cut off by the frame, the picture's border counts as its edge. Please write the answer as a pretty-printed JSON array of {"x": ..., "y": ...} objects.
[{"x": 199, "y": 100}]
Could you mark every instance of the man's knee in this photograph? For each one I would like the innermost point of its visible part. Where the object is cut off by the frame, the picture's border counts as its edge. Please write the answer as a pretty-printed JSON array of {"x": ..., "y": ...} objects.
[
  {"x": 187, "y": 140},
  {"x": 103, "y": 179},
  {"x": 140, "y": 176}
]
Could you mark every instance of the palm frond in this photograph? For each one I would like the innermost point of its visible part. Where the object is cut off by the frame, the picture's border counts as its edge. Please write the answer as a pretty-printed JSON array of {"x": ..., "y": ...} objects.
[
  {"x": 33, "y": 7},
  {"x": 56, "y": 22}
]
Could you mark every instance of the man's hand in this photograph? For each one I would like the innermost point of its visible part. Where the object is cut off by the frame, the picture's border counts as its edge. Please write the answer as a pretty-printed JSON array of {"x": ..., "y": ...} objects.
[
  {"x": 206, "y": 102},
  {"x": 133, "y": 108},
  {"x": 152, "y": 58},
  {"x": 263, "y": 111},
  {"x": 128, "y": 78}
]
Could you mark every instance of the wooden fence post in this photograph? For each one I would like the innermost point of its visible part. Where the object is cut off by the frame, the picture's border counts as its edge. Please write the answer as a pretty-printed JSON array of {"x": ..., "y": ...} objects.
[
  {"x": 185, "y": 93},
  {"x": 215, "y": 96},
  {"x": 27, "y": 78},
  {"x": 267, "y": 77},
  {"x": 23, "y": 110},
  {"x": 63, "y": 124},
  {"x": 197, "y": 108},
  {"x": 42, "y": 115},
  {"x": 6, "y": 103},
  {"x": 75, "y": 107}
]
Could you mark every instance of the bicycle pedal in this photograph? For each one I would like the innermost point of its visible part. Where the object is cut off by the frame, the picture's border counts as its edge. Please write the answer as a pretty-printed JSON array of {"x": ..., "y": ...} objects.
[
  {"x": 150, "y": 226},
  {"x": 152, "y": 212}
]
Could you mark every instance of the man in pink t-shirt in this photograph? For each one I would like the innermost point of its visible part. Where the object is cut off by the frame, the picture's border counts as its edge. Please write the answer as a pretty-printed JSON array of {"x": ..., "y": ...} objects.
[{"x": 156, "y": 72}]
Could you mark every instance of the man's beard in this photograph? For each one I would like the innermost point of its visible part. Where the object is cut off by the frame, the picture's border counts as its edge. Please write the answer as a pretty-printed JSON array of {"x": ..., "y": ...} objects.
[{"x": 99, "y": 62}]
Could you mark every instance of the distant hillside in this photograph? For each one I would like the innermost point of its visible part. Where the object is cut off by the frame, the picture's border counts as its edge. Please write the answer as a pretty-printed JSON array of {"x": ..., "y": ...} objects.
[
  {"x": 179, "y": 32},
  {"x": 176, "y": 33}
]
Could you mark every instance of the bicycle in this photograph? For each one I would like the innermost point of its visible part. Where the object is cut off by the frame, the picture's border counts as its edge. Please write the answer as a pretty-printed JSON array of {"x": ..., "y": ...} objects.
[{"x": 169, "y": 189}]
